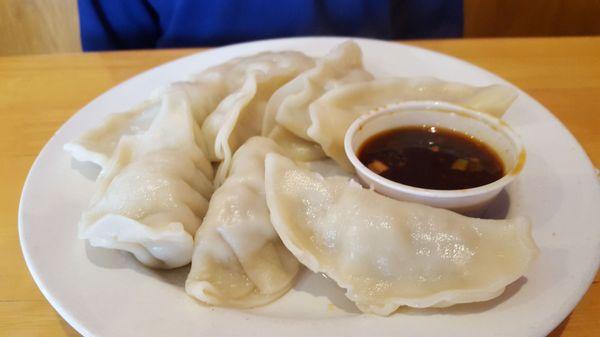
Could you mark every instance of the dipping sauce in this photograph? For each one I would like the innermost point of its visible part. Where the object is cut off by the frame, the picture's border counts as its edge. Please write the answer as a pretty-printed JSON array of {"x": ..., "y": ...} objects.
[{"x": 431, "y": 157}]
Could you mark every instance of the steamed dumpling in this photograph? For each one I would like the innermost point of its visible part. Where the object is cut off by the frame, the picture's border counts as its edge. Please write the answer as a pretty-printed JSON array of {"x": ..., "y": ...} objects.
[
  {"x": 387, "y": 253},
  {"x": 239, "y": 116},
  {"x": 233, "y": 72},
  {"x": 203, "y": 92},
  {"x": 296, "y": 147},
  {"x": 332, "y": 114},
  {"x": 238, "y": 259},
  {"x": 289, "y": 105},
  {"x": 98, "y": 144},
  {"x": 154, "y": 191},
  {"x": 202, "y": 95}
]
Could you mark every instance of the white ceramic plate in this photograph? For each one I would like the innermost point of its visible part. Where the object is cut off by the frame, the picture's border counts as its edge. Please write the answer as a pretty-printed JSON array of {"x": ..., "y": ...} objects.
[{"x": 107, "y": 293}]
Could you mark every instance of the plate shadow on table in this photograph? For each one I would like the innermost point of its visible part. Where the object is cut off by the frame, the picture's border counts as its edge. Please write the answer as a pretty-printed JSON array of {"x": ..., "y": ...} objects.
[
  {"x": 114, "y": 259},
  {"x": 67, "y": 329},
  {"x": 558, "y": 331}
]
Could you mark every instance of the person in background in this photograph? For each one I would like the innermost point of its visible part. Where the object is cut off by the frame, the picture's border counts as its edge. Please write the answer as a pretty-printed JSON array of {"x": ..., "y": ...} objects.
[{"x": 140, "y": 24}]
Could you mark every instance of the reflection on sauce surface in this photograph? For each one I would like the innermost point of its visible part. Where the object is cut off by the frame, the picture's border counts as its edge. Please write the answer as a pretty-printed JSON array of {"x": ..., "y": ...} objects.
[{"x": 431, "y": 157}]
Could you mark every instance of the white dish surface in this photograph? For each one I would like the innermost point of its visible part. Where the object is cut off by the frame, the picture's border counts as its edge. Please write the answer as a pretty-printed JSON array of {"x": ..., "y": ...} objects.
[{"x": 108, "y": 293}]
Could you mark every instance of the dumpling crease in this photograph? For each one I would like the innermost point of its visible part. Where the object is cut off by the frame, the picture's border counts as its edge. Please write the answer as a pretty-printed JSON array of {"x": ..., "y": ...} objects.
[
  {"x": 238, "y": 259},
  {"x": 332, "y": 114},
  {"x": 387, "y": 253},
  {"x": 151, "y": 196}
]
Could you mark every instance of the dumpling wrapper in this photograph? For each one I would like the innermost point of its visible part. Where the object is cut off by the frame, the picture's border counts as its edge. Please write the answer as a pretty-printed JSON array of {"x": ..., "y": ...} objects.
[
  {"x": 387, "y": 253},
  {"x": 296, "y": 147},
  {"x": 97, "y": 144},
  {"x": 154, "y": 191},
  {"x": 239, "y": 260},
  {"x": 288, "y": 106},
  {"x": 332, "y": 114},
  {"x": 203, "y": 93},
  {"x": 239, "y": 116}
]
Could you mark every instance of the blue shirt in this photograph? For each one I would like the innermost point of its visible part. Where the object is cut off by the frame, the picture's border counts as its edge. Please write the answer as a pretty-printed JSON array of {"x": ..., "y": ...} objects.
[{"x": 135, "y": 24}]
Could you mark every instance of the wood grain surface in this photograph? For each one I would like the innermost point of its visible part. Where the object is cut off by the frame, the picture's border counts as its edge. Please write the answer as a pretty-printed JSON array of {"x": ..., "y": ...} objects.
[
  {"x": 530, "y": 18},
  {"x": 38, "y": 93}
]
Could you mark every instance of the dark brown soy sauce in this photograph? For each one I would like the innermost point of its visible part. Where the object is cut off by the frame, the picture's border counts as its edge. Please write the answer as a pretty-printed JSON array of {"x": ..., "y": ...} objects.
[{"x": 431, "y": 157}]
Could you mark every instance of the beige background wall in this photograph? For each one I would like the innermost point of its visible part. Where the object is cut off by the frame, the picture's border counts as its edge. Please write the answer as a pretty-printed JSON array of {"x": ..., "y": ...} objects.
[
  {"x": 38, "y": 26},
  {"x": 50, "y": 26}
]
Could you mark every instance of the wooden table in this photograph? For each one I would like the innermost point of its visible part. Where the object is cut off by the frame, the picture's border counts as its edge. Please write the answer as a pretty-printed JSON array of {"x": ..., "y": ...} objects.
[{"x": 38, "y": 93}]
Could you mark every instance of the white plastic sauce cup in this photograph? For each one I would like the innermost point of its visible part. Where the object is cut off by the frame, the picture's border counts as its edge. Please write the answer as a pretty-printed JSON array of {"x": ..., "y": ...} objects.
[{"x": 488, "y": 129}]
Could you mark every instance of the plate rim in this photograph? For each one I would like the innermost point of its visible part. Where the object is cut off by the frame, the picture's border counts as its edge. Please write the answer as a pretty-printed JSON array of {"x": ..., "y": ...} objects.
[{"x": 562, "y": 313}]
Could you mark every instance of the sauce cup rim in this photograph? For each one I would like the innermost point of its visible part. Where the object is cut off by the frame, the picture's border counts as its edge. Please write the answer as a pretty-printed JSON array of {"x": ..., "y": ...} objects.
[{"x": 439, "y": 106}]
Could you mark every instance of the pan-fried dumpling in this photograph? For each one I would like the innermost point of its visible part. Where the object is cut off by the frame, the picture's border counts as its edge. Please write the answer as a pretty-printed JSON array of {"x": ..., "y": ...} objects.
[
  {"x": 387, "y": 253},
  {"x": 154, "y": 191},
  {"x": 289, "y": 104},
  {"x": 332, "y": 114},
  {"x": 239, "y": 116},
  {"x": 238, "y": 258}
]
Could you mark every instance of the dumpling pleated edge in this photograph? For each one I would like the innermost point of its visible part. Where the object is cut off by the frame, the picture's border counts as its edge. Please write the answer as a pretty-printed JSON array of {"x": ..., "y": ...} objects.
[{"x": 440, "y": 299}]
